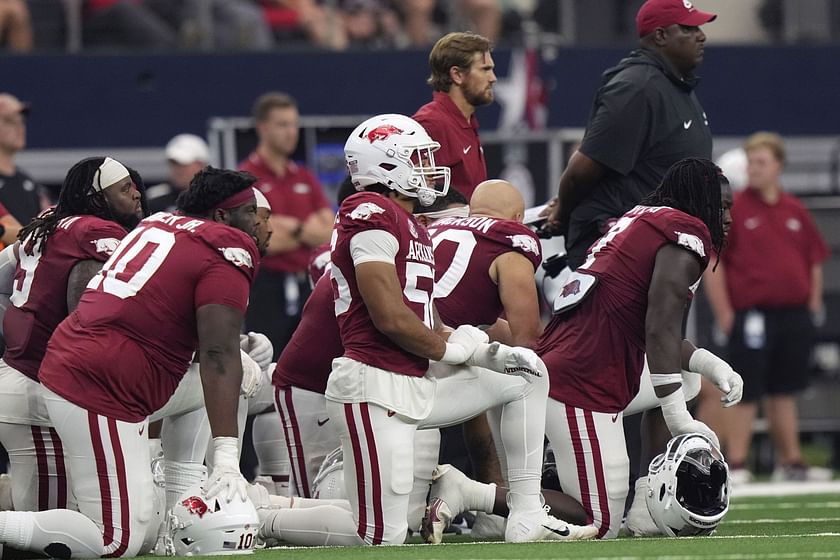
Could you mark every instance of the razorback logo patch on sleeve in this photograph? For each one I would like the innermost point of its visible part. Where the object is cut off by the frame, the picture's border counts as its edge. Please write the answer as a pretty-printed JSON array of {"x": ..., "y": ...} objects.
[
  {"x": 524, "y": 242},
  {"x": 106, "y": 245},
  {"x": 365, "y": 210},
  {"x": 238, "y": 256},
  {"x": 691, "y": 242}
]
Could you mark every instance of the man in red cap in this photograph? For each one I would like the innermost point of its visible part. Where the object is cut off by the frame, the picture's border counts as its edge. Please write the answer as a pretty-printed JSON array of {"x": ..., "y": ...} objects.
[{"x": 645, "y": 117}]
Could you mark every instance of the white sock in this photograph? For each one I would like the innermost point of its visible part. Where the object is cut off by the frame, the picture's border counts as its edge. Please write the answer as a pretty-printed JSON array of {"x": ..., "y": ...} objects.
[
  {"x": 179, "y": 477},
  {"x": 270, "y": 447},
  {"x": 317, "y": 526}
]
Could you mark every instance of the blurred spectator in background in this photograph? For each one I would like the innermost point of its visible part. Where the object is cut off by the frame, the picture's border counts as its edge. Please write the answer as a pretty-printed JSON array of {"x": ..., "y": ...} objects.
[
  {"x": 19, "y": 195},
  {"x": 421, "y": 27},
  {"x": 302, "y": 218},
  {"x": 186, "y": 154},
  {"x": 305, "y": 21},
  {"x": 216, "y": 24},
  {"x": 482, "y": 16},
  {"x": 15, "y": 26},
  {"x": 764, "y": 294},
  {"x": 125, "y": 23},
  {"x": 462, "y": 78},
  {"x": 370, "y": 24}
]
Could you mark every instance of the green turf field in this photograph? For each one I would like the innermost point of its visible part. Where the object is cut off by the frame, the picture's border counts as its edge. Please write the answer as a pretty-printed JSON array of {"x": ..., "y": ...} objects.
[{"x": 786, "y": 527}]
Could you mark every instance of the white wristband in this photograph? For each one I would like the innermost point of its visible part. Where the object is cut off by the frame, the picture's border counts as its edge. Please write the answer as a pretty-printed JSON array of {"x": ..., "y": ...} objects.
[
  {"x": 225, "y": 452},
  {"x": 674, "y": 411},
  {"x": 704, "y": 362},
  {"x": 660, "y": 379}
]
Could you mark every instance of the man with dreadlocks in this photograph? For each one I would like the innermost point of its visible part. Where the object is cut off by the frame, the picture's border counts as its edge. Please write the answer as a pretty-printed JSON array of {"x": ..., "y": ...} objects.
[
  {"x": 175, "y": 284},
  {"x": 625, "y": 300},
  {"x": 44, "y": 273}
]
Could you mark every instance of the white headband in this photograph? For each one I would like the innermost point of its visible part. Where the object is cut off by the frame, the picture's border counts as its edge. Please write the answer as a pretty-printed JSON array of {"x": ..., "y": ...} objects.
[
  {"x": 262, "y": 201},
  {"x": 109, "y": 173}
]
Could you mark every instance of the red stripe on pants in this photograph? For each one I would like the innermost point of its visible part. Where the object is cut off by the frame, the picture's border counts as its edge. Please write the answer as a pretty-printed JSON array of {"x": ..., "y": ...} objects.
[
  {"x": 43, "y": 469},
  {"x": 378, "y": 517},
  {"x": 360, "y": 470},
  {"x": 580, "y": 461},
  {"x": 601, "y": 483},
  {"x": 102, "y": 476},
  {"x": 122, "y": 484},
  {"x": 60, "y": 469},
  {"x": 299, "y": 457}
]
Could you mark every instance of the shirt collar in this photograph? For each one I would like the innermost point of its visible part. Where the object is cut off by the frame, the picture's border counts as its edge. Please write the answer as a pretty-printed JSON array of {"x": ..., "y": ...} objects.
[{"x": 442, "y": 98}]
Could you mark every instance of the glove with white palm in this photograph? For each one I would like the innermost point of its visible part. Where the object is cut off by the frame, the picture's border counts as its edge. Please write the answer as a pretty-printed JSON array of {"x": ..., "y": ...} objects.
[
  {"x": 258, "y": 346},
  {"x": 462, "y": 343},
  {"x": 252, "y": 376},
  {"x": 513, "y": 360},
  {"x": 226, "y": 481}
]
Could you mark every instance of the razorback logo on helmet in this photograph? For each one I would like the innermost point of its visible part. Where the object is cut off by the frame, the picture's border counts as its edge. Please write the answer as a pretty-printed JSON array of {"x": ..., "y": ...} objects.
[
  {"x": 571, "y": 289},
  {"x": 106, "y": 245},
  {"x": 691, "y": 242},
  {"x": 196, "y": 506},
  {"x": 238, "y": 256},
  {"x": 365, "y": 210},
  {"x": 382, "y": 132},
  {"x": 524, "y": 242}
]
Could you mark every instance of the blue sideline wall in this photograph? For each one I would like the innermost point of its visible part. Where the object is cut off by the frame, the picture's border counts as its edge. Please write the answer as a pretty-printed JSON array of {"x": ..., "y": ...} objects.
[{"x": 142, "y": 100}]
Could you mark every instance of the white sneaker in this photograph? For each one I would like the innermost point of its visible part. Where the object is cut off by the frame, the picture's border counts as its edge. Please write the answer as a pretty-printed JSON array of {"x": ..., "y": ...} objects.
[
  {"x": 6, "y": 493},
  {"x": 801, "y": 473},
  {"x": 445, "y": 501},
  {"x": 739, "y": 477},
  {"x": 540, "y": 526},
  {"x": 639, "y": 521},
  {"x": 488, "y": 526}
]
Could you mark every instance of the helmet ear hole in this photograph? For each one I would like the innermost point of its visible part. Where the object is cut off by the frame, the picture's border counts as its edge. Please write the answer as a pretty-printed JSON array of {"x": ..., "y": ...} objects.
[{"x": 661, "y": 492}]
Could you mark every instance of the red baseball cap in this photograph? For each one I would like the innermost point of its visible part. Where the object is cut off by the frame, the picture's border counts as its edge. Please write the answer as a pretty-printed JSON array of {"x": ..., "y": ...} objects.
[{"x": 662, "y": 13}]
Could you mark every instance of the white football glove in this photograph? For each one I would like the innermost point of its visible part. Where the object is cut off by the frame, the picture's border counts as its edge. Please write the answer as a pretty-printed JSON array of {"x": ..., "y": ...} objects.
[
  {"x": 513, "y": 360},
  {"x": 226, "y": 481},
  {"x": 678, "y": 419},
  {"x": 720, "y": 373},
  {"x": 258, "y": 346},
  {"x": 252, "y": 376},
  {"x": 462, "y": 343}
]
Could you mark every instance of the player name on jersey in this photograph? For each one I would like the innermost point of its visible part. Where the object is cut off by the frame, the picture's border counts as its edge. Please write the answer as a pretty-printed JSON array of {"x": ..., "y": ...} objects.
[
  {"x": 420, "y": 252},
  {"x": 481, "y": 223}
]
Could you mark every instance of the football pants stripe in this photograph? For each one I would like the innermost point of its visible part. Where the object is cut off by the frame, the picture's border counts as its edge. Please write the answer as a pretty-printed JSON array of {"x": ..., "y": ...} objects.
[
  {"x": 580, "y": 460},
  {"x": 600, "y": 483},
  {"x": 60, "y": 469},
  {"x": 360, "y": 472},
  {"x": 296, "y": 452},
  {"x": 43, "y": 469},
  {"x": 376, "y": 478}
]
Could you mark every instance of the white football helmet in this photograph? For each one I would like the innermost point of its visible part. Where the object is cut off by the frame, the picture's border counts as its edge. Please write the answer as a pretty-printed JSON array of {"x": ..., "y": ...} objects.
[
  {"x": 688, "y": 487},
  {"x": 329, "y": 482},
  {"x": 199, "y": 525},
  {"x": 396, "y": 151}
]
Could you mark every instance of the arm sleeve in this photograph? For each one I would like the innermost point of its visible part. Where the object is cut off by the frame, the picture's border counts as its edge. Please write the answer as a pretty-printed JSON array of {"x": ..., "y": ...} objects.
[
  {"x": 617, "y": 132},
  {"x": 374, "y": 245}
]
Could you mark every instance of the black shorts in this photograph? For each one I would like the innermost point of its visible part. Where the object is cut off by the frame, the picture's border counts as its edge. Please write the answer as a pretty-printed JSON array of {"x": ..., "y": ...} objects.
[{"x": 771, "y": 349}]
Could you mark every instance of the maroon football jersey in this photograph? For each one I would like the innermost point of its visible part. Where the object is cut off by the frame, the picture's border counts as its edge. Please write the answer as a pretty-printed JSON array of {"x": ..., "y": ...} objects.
[
  {"x": 464, "y": 250},
  {"x": 415, "y": 266},
  {"x": 124, "y": 349},
  {"x": 319, "y": 262},
  {"x": 39, "y": 296},
  {"x": 306, "y": 360},
  {"x": 596, "y": 362}
]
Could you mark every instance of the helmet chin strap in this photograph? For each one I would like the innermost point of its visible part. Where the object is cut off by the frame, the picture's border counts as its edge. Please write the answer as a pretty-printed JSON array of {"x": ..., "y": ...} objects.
[{"x": 426, "y": 196}]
